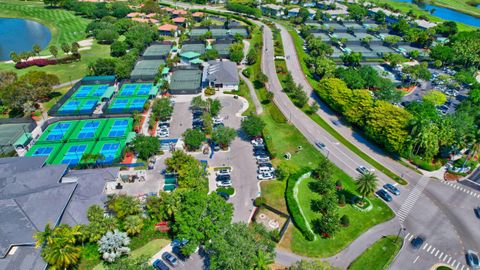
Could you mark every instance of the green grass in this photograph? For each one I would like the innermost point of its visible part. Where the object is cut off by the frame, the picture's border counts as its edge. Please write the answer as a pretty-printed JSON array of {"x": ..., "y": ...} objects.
[
  {"x": 273, "y": 191},
  {"x": 379, "y": 255},
  {"x": 443, "y": 268},
  {"x": 298, "y": 42},
  {"x": 453, "y": 4},
  {"x": 64, "y": 25},
  {"x": 58, "y": 93},
  {"x": 243, "y": 91},
  {"x": 148, "y": 250},
  {"x": 359, "y": 221},
  {"x": 66, "y": 72}
]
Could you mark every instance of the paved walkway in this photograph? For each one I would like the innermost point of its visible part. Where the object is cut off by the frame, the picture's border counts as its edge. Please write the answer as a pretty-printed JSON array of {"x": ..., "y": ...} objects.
[{"x": 253, "y": 94}]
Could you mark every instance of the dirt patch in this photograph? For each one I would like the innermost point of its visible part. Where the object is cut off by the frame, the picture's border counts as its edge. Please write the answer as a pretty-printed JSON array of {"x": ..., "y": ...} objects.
[{"x": 451, "y": 177}]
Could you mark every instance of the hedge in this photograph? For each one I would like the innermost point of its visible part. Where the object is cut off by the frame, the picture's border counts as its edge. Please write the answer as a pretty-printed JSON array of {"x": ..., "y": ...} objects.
[
  {"x": 276, "y": 114},
  {"x": 427, "y": 165},
  {"x": 234, "y": 16},
  {"x": 294, "y": 209},
  {"x": 35, "y": 62}
]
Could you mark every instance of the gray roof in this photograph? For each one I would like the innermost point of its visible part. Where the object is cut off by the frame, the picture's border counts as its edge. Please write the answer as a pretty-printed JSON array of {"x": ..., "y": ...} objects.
[
  {"x": 32, "y": 195},
  {"x": 224, "y": 72}
]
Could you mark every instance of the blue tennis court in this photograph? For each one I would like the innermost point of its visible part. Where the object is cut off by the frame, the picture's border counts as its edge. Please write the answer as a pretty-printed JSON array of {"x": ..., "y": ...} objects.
[
  {"x": 58, "y": 132},
  {"x": 42, "y": 151},
  {"x": 137, "y": 104},
  {"x": 88, "y": 130},
  {"x": 144, "y": 90},
  {"x": 74, "y": 154},
  {"x": 109, "y": 151},
  {"x": 118, "y": 128},
  {"x": 83, "y": 91}
]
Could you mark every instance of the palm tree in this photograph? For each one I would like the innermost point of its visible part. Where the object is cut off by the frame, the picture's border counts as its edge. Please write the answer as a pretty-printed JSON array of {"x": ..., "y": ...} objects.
[
  {"x": 36, "y": 49},
  {"x": 60, "y": 251},
  {"x": 133, "y": 224},
  {"x": 262, "y": 261},
  {"x": 366, "y": 184},
  {"x": 44, "y": 237}
]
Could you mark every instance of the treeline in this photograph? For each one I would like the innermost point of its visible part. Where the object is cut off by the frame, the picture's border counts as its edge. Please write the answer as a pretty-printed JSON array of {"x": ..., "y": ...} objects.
[
  {"x": 93, "y": 10},
  {"x": 243, "y": 8}
]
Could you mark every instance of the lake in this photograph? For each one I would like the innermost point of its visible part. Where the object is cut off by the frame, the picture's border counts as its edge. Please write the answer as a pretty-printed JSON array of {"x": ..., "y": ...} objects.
[
  {"x": 448, "y": 14},
  {"x": 19, "y": 35}
]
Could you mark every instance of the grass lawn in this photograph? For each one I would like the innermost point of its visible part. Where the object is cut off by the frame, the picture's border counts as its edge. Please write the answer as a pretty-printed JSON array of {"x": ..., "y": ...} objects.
[
  {"x": 359, "y": 221},
  {"x": 148, "y": 250},
  {"x": 453, "y": 4},
  {"x": 58, "y": 93},
  {"x": 298, "y": 41},
  {"x": 379, "y": 255},
  {"x": 243, "y": 91},
  {"x": 273, "y": 192},
  {"x": 66, "y": 72},
  {"x": 64, "y": 25}
]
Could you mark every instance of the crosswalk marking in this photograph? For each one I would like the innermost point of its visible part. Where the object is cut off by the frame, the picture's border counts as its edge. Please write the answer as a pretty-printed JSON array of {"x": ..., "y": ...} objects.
[
  {"x": 424, "y": 246},
  {"x": 461, "y": 188},
  {"x": 433, "y": 250},
  {"x": 449, "y": 259},
  {"x": 429, "y": 248},
  {"x": 412, "y": 198}
]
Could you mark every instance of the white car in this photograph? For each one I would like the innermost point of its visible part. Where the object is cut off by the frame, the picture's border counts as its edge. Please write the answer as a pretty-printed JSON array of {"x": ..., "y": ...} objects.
[
  {"x": 364, "y": 170},
  {"x": 223, "y": 172},
  {"x": 257, "y": 142},
  {"x": 262, "y": 170},
  {"x": 265, "y": 176},
  {"x": 217, "y": 120}
]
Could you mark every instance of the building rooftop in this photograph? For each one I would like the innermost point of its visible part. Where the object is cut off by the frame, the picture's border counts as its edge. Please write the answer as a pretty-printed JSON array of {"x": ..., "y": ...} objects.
[
  {"x": 224, "y": 72},
  {"x": 168, "y": 27},
  {"x": 179, "y": 20},
  {"x": 186, "y": 79}
]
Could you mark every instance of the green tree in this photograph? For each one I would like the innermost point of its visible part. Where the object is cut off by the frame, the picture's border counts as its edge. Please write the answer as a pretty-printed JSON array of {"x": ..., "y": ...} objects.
[
  {"x": 327, "y": 225},
  {"x": 193, "y": 138},
  {"x": 65, "y": 48},
  {"x": 253, "y": 125},
  {"x": 162, "y": 108},
  {"x": 133, "y": 224},
  {"x": 129, "y": 263},
  {"x": 366, "y": 184},
  {"x": 60, "y": 250},
  {"x": 53, "y": 50},
  {"x": 327, "y": 204},
  {"x": 252, "y": 56},
  {"x": 211, "y": 54},
  {"x": 200, "y": 218},
  {"x": 123, "y": 205},
  {"x": 145, "y": 146},
  {"x": 352, "y": 59},
  {"x": 75, "y": 47},
  {"x": 236, "y": 52},
  {"x": 118, "y": 48},
  {"x": 190, "y": 172},
  {"x": 15, "y": 58},
  {"x": 436, "y": 97},
  {"x": 163, "y": 206},
  {"x": 240, "y": 247},
  {"x": 224, "y": 136},
  {"x": 324, "y": 170},
  {"x": 102, "y": 67},
  {"x": 214, "y": 106},
  {"x": 36, "y": 49}
]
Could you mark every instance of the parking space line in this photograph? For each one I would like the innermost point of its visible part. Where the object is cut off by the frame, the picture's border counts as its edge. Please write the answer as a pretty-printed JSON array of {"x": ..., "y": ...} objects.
[
  {"x": 445, "y": 258},
  {"x": 440, "y": 257},
  {"x": 424, "y": 246},
  {"x": 414, "y": 261},
  {"x": 449, "y": 259},
  {"x": 437, "y": 253},
  {"x": 429, "y": 248},
  {"x": 453, "y": 263},
  {"x": 458, "y": 264},
  {"x": 411, "y": 236},
  {"x": 433, "y": 250},
  {"x": 463, "y": 266}
]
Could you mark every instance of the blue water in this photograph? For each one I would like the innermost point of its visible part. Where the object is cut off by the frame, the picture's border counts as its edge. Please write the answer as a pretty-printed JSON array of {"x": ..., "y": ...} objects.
[
  {"x": 448, "y": 14},
  {"x": 19, "y": 35}
]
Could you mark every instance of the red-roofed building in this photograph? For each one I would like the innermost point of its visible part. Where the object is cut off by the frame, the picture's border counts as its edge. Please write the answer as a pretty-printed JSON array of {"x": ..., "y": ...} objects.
[
  {"x": 179, "y": 12},
  {"x": 168, "y": 9},
  {"x": 198, "y": 16},
  {"x": 179, "y": 21},
  {"x": 144, "y": 20},
  {"x": 151, "y": 15},
  {"x": 135, "y": 14},
  {"x": 168, "y": 30}
]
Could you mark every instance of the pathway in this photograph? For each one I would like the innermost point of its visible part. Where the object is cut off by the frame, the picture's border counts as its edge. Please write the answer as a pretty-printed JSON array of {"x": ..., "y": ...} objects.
[{"x": 256, "y": 101}]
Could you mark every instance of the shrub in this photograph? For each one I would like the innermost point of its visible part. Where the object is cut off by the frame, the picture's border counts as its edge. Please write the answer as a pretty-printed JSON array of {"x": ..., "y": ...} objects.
[
  {"x": 259, "y": 201},
  {"x": 428, "y": 165},
  {"x": 35, "y": 62},
  {"x": 209, "y": 91},
  {"x": 294, "y": 209},
  {"x": 228, "y": 190},
  {"x": 345, "y": 221},
  {"x": 341, "y": 199},
  {"x": 247, "y": 72}
]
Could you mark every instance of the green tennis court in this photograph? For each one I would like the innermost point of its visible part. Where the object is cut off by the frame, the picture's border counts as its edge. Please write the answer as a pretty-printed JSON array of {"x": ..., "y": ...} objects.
[
  {"x": 85, "y": 99},
  {"x": 132, "y": 97}
]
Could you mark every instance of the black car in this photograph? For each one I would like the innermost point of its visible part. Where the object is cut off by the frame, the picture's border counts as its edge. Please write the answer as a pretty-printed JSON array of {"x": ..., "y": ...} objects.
[
  {"x": 265, "y": 164},
  {"x": 259, "y": 152},
  {"x": 168, "y": 257},
  {"x": 224, "y": 195},
  {"x": 224, "y": 177},
  {"x": 160, "y": 265},
  {"x": 259, "y": 147},
  {"x": 477, "y": 212},
  {"x": 178, "y": 252},
  {"x": 384, "y": 195}
]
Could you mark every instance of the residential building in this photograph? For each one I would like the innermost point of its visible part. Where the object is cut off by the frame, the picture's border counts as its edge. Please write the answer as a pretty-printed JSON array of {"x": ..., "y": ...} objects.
[
  {"x": 272, "y": 10},
  {"x": 168, "y": 30}
]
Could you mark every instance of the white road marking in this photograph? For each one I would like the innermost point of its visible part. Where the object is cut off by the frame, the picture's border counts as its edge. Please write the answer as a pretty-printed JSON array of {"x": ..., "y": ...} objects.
[
  {"x": 449, "y": 259},
  {"x": 411, "y": 236},
  {"x": 429, "y": 248},
  {"x": 414, "y": 261},
  {"x": 424, "y": 246},
  {"x": 433, "y": 250},
  {"x": 440, "y": 256},
  {"x": 437, "y": 253}
]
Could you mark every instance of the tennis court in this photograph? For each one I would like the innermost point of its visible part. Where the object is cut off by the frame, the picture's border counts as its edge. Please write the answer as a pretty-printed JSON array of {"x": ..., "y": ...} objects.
[
  {"x": 132, "y": 97},
  {"x": 157, "y": 50},
  {"x": 146, "y": 69},
  {"x": 197, "y": 32},
  {"x": 198, "y": 48},
  {"x": 219, "y": 33},
  {"x": 186, "y": 81},
  {"x": 222, "y": 49},
  {"x": 67, "y": 142},
  {"x": 9, "y": 134},
  {"x": 241, "y": 31},
  {"x": 85, "y": 99},
  {"x": 135, "y": 89}
]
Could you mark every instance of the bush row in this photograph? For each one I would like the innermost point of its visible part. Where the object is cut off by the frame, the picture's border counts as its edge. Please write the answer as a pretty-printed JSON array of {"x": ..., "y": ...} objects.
[
  {"x": 427, "y": 165},
  {"x": 294, "y": 208},
  {"x": 35, "y": 62}
]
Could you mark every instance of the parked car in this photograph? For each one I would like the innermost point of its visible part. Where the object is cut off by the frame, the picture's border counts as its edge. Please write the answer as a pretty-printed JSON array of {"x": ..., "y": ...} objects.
[
  {"x": 384, "y": 195},
  {"x": 223, "y": 172},
  {"x": 169, "y": 258},
  {"x": 336, "y": 122},
  {"x": 362, "y": 170},
  {"x": 224, "y": 195},
  {"x": 261, "y": 170},
  {"x": 265, "y": 176},
  {"x": 217, "y": 120},
  {"x": 472, "y": 259},
  {"x": 477, "y": 211},
  {"x": 265, "y": 164},
  {"x": 262, "y": 159},
  {"x": 224, "y": 183},
  {"x": 417, "y": 242},
  {"x": 393, "y": 189},
  {"x": 257, "y": 141},
  {"x": 160, "y": 265},
  {"x": 178, "y": 252}
]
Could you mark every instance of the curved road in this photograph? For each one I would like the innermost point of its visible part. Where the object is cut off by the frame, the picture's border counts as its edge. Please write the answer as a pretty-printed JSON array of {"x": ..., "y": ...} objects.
[{"x": 441, "y": 213}]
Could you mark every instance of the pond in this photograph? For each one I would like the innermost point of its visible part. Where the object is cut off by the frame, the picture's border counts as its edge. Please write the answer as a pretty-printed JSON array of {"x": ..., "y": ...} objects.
[
  {"x": 19, "y": 35},
  {"x": 447, "y": 14}
]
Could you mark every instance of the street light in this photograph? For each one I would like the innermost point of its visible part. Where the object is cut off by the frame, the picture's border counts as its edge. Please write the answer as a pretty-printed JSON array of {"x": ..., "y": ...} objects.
[{"x": 399, "y": 232}]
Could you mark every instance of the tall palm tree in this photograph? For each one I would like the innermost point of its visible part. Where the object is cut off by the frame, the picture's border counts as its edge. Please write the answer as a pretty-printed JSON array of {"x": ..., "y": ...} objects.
[
  {"x": 366, "y": 184},
  {"x": 133, "y": 224},
  {"x": 60, "y": 255},
  {"x": 44, "y": 237},
  {"x": 262, "y": 261}
]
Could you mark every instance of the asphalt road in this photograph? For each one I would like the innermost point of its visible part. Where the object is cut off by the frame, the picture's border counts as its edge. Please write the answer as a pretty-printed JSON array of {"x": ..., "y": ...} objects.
[{"x": 441, "y": 213}]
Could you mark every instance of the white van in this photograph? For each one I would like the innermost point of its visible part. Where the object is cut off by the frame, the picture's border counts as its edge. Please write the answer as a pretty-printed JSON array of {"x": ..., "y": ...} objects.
[{"x": 262, "y": 170}]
